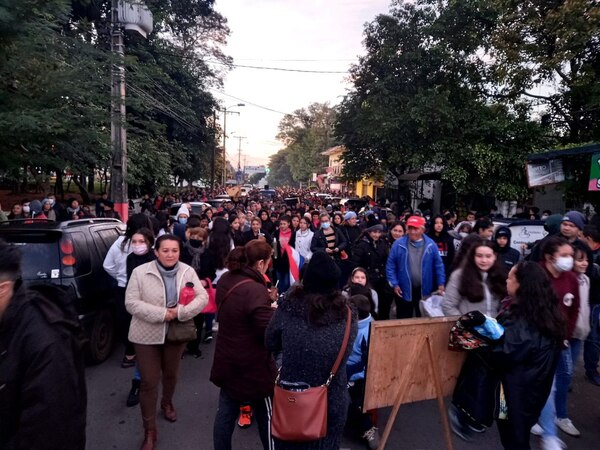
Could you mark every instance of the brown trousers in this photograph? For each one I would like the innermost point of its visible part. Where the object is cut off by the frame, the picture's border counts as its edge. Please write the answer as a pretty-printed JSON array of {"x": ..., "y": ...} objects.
[{"x": 155, "y": 361}]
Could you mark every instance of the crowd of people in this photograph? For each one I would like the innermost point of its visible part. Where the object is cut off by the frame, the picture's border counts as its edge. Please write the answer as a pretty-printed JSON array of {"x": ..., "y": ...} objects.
[{"x": 285, "y": 272}]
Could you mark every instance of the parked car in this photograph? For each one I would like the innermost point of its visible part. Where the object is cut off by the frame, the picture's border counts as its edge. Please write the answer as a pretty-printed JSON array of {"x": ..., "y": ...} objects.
[
  {"x": 70, "y": 254},
  {"x": 197, "y": 208},
  {"x": 219, "y": 200}
]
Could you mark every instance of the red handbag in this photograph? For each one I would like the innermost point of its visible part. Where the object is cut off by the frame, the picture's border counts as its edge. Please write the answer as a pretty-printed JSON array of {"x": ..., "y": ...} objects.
[
  {"x": 302, "y": 415},
  {"x": 211, "y": 307}
]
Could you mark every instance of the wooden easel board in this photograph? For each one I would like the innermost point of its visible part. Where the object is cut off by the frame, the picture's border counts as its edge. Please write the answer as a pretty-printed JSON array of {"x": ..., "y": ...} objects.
[{"x": 391, "y": 346}]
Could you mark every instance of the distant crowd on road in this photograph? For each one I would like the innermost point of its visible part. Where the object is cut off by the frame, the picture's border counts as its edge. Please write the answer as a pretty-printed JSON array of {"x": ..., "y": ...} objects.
[{"x": 281, "y": 271}]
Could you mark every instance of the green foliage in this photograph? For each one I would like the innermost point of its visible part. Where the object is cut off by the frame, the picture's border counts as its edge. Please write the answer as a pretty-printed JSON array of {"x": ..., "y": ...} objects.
[
  {"x": 55, "y": 84},
  {"x": 421, "y": 101},
  {"x": 256, "y": 177},
  {"x": 280, "y": 173},
  {"x": 306, "y": 134}
]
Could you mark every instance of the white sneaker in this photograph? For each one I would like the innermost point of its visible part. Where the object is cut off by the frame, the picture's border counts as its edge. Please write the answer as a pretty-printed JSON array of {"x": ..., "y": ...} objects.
[
  {"x": 372, "y": 438},
  {"x": 537, "y": 430},
  {"x": 553, "y": 443},
  {"x": 567, "y": 426}
]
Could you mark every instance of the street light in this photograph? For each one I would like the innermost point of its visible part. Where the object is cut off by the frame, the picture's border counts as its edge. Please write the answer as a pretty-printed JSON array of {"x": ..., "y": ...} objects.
[{"x": 225, "y": 112}]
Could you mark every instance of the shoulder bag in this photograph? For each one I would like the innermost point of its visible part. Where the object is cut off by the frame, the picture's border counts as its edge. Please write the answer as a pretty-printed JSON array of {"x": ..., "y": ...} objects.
[{"x": 301, "y": 415}]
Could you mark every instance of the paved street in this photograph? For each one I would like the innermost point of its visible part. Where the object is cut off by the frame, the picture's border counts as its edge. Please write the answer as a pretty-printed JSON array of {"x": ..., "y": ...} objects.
[{"x": 111, "y": 425}]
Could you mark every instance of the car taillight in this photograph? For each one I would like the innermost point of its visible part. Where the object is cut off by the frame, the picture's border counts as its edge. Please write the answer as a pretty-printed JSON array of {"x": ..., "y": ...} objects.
[{"x": 67, "y": 259}]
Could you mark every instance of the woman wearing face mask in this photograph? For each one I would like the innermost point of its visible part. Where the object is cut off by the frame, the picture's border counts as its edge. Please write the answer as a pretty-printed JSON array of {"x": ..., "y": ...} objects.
[
  {"x": 141, "y": 253},
  {"x": 115, "y": 264},
  {"x": 557, "y": 261},
  {"x": 195, "y": 254},
  {"x": 478, "y": 284},
  {"x": 183, "y": 214}
]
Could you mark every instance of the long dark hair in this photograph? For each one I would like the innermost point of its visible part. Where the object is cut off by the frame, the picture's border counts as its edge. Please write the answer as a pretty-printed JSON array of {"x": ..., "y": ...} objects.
[
  {"x": 248, "y": 255},
  {"x": 323, "y": 309},
  {"x": 219, "y": 241},
  {"x": 431, "y": 229},
  {"x": 470, "y": 286},
  {"x": 134, "y": 223},
  {"x": 536, "y": 302},
  {"x": 465, "y": 245}
]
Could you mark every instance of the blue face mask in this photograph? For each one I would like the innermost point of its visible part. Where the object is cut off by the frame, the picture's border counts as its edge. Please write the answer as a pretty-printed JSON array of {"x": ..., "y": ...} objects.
[
  {"x": 183, "y": 220},
  {"x": 325, "y": 225}
]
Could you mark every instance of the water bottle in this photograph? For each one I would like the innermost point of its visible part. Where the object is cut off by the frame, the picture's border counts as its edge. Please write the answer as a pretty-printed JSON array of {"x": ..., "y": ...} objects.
[{"x": 187, "y": 294}]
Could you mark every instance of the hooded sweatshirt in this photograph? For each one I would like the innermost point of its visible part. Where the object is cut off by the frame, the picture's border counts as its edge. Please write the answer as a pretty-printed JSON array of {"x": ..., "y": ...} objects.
[{"x": 508, "y": 255}]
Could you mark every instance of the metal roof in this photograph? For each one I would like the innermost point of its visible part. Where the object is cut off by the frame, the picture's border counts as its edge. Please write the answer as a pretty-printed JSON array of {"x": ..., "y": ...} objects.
[{"x": 581, "y": 150}]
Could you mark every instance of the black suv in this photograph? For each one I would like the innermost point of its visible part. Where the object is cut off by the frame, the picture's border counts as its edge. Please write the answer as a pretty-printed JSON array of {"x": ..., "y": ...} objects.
[{"x": 70, "y": 254}]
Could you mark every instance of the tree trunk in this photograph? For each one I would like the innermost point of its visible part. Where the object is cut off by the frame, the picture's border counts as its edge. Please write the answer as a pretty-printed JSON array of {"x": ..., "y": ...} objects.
[
  {"x": 85, "y": 196},
  {"x": 91, "y": 179},
  {"x": 58, "y": 186}
]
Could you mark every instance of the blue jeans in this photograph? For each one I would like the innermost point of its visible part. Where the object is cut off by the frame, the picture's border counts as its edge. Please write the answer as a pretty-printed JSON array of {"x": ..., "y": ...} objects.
[
  {"x": 227, "y": 414},
  {"x": 564, "y": 376},
  {"x": 548, "y": 414},
  {"x": 591, "y": 347}
]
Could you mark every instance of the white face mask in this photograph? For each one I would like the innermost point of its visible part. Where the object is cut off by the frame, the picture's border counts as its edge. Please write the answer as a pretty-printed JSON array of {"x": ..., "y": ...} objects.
[
  {"x": 463, "y": 234},
  {"x": 26, "y": 209},
  {"x": 140, "y": 249},
  {"x": 563, "y": 263}
]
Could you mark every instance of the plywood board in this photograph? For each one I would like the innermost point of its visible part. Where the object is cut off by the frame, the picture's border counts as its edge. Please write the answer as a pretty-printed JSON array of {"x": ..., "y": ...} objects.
[{"x": 391, "y": 345}]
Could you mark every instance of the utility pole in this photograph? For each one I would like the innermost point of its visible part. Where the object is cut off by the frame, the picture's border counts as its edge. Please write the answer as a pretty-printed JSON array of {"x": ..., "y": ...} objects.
[
  {"x": 225, "y": 112},
  {"x": 214, "y": 153},
  {"x": 239, "y": 138},
  {"x": 118, "y": 137}
]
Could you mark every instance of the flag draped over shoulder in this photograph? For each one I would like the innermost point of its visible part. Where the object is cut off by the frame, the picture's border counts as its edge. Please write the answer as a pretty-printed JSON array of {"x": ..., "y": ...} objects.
[{"x": 296, "y": 261}]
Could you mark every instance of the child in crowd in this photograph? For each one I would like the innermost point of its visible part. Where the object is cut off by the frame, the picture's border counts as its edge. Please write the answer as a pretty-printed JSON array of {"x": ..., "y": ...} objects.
[{"x": 355, "y": 368}]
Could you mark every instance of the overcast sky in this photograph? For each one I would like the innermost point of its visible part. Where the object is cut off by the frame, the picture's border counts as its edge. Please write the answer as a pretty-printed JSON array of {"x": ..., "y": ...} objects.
[{"x": 321, "y": 35}]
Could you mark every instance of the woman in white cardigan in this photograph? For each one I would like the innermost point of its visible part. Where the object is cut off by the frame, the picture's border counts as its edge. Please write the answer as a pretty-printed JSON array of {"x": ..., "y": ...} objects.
[
  {"x": 152, "y": 298},
  {"x": 478, "y": 284}
]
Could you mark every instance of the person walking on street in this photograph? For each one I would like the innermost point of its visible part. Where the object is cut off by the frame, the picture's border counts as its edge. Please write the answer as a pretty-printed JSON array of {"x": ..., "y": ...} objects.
[
  {"x": 42, "y": 384},
  {"x": 308, "y": 329},
  {"x": 414, "y": 269},
  {"x": 153, "y": 300},
  {"x": 242, "y": 367}
]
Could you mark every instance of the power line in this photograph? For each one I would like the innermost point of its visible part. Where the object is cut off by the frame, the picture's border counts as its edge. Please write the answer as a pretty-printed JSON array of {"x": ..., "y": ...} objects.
[
  {"x": 282, "y": 69},
  {"x": 247, "y": 102}
]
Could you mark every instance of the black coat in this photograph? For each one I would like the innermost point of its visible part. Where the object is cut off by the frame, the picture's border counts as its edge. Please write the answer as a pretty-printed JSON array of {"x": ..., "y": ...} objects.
[
  {"x": 319, "y": 242},
  {"x": 524, "y": 361},
  {"x": 42, "y": 385},
  {"x": 247, "y": 236},
  {"x": 351, "y": 234},
  {"x": 371, "y": 256},
  {"x": 280, "y": 261}
]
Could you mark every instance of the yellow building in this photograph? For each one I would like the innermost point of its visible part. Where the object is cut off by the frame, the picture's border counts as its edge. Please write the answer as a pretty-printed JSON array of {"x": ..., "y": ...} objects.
[{"x": 333, "y": 176}]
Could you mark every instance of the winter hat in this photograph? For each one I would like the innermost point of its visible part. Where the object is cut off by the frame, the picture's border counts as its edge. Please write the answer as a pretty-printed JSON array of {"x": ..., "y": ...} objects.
[
  {"x": 552, "y": 224},
  {"x": 576, "y": 218},
  {"x": 182, "y": 210},
  {"x": 378, "y": 227},
  {"x": 35, "y": 206},
  {"x": 322, "y": 274},
  {"x": 503, "y": 232},
  {"x": 350, "y": 215}
]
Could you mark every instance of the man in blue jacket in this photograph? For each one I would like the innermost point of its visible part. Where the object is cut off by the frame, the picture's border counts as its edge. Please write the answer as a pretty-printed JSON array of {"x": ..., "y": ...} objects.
[{"x": 414, "y": 268}]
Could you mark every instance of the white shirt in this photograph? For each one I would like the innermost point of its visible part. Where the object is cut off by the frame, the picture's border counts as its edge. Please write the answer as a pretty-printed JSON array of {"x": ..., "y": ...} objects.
[
  {"x": 115, "y": 262},
  {"x": 303, "y": 240}
]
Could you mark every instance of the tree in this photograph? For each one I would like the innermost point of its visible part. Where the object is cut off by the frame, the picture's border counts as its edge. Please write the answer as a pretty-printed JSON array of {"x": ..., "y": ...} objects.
[
  {"x": 306, "y": 133},
  {"x": 280, "y": 173},
  {"x": 418, "y": 103},
  {"x": 54, "y": 107},
  {"x": 256, "y": 177}
]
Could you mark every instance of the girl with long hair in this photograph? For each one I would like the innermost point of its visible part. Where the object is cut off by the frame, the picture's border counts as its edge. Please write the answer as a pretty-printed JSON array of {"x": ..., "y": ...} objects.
[
  {"x": 521, "y": 365},
  {"x": 438, "y": 231},
  {"x": 557, "y": 262},
  {"x": 479, "y": 284}
]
